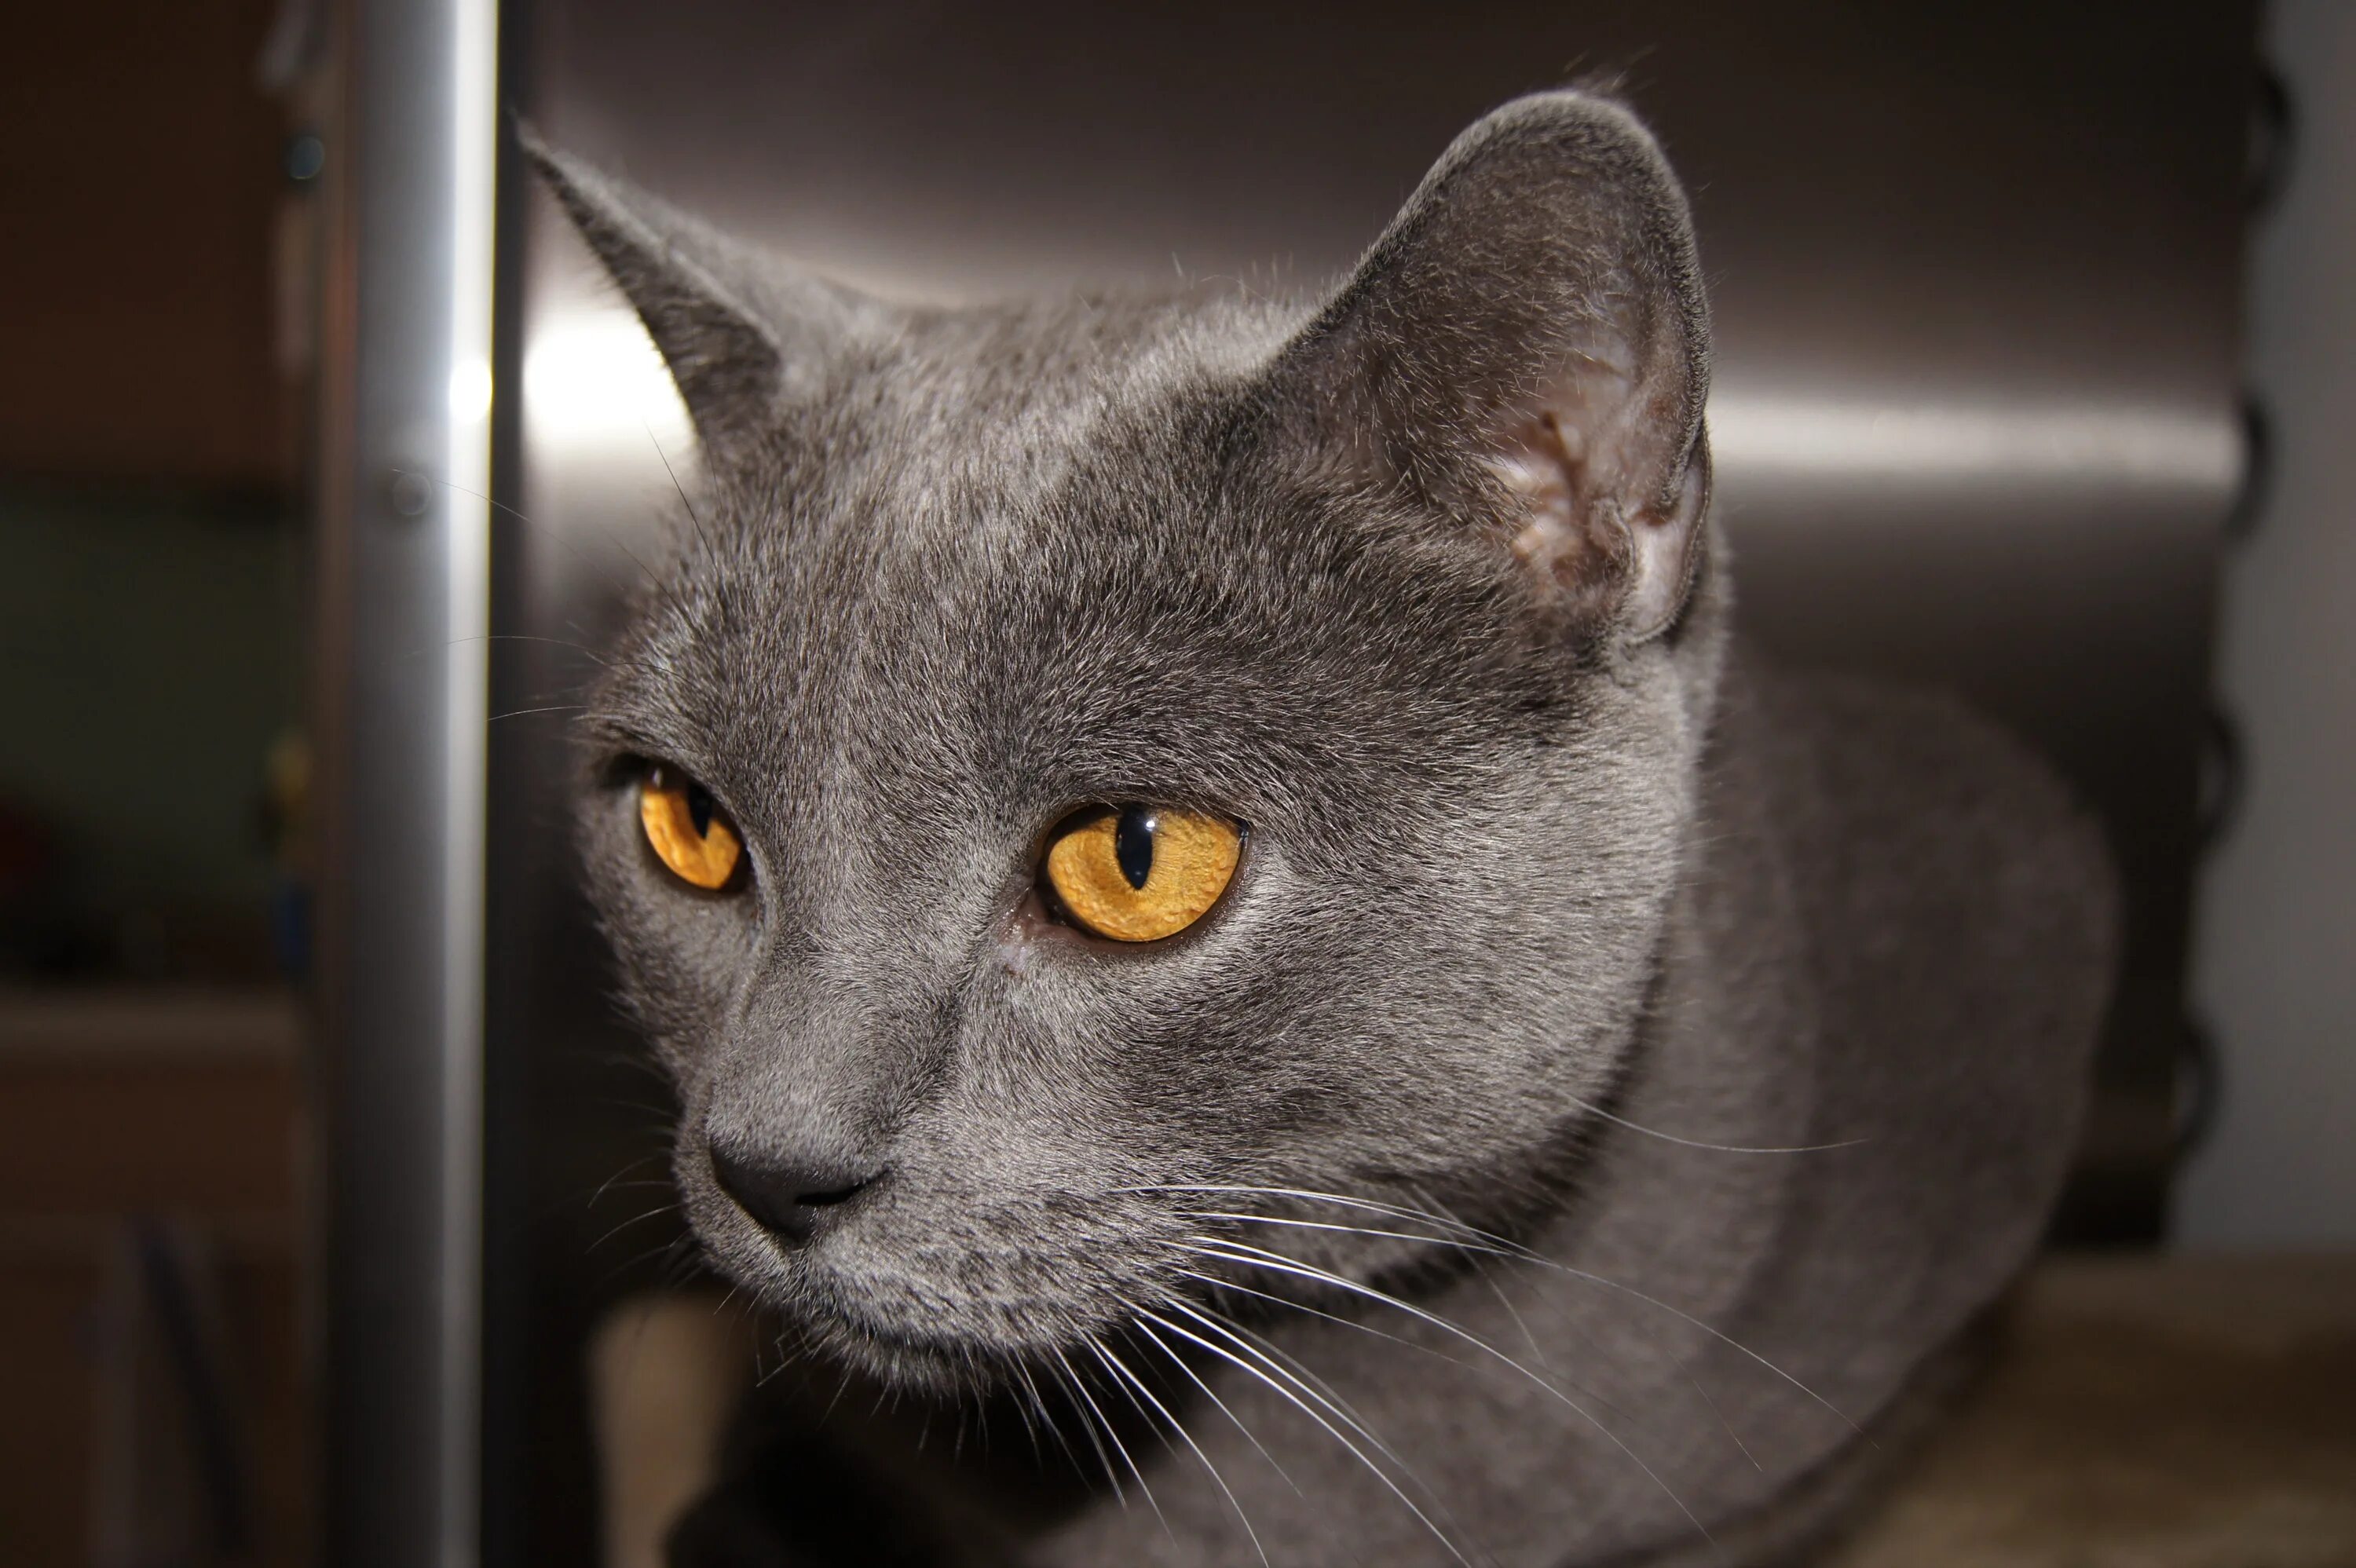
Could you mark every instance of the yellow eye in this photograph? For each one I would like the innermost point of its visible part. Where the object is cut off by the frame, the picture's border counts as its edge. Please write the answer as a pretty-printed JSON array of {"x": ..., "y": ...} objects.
[
  {"x": 687, "y": 829},
  {"x": 1138, "y": 873}
]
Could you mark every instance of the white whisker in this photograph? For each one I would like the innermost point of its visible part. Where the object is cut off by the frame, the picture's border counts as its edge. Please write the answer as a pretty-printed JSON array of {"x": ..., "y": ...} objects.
[
  {"x": 1334, "y": 1317},
  {"x": 1121, "y": 1369},
  {"x": 1046, "y": 1416},
  {"x": 1685, "y": 1368},
  {"x": 1732, "y": 1435},
  {"x": 1030, "y": 1427},
  {"x": 1305, "y": 1376},
  {"x": 1432, "y": 1350},
  {"x": 1088, "y": 1431},
  {"x": 1510, "y": 1248},
  {"x": 1301, "y": 1374},
  {"x": 1209, "y": 1393},
  {"x": 1306, "y": 1409},
  {"x": 1481, "y": 1265},
  {"x": 1097, "y": 1349},
  {"x": 1294, "y": 1371},
  {"x": 1112, "y": 1435},
  {"x": 1281, "y": 1264},
  {"x": 1601, "y": 1115}
]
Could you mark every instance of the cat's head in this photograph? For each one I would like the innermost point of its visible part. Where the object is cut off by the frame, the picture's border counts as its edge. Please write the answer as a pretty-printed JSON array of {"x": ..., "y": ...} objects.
[{"x": 1155, "y": 756}]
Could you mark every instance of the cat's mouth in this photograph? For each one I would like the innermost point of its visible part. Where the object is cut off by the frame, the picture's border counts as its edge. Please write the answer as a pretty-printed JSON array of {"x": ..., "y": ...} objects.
[
  {"x": 955, "y": 1296},
  {"x": 932, "y": 1335},
  {"x": 942, "y": 1330}
]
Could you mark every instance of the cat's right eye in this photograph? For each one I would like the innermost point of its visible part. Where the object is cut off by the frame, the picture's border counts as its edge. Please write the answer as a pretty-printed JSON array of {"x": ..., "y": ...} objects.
[{"x": 687, "y": 829}]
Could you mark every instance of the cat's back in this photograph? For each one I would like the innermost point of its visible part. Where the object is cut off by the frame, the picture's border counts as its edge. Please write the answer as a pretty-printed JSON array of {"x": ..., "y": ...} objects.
[
  {"x": 1935, "y": 856},
  {"x": 1952, "y": 915}
]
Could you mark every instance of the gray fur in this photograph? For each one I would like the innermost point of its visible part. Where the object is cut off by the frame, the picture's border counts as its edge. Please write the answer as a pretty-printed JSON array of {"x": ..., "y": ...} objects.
[{"x": 1531, "y": 839}]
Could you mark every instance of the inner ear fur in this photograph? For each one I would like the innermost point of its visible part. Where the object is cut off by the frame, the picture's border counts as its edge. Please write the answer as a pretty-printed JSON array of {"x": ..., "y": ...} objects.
[{"x": 1527, "y": 347}]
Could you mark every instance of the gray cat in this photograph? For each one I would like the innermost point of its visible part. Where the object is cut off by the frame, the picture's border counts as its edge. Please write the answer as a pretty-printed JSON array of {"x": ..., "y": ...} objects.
[{"x": 1210, "y": 876}]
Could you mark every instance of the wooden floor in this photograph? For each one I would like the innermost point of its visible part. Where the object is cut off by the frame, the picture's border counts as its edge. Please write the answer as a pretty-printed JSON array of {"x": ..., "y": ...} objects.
[{"x": 2147, "y": 1413}]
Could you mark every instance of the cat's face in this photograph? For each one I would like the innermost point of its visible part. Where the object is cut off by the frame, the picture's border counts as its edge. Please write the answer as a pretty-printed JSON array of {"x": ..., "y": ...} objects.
[{"x": 1396, "y": 605}]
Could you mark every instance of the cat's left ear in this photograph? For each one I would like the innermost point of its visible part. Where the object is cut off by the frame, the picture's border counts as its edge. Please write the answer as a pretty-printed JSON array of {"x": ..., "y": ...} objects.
[{"x": 1527, "y": 347}]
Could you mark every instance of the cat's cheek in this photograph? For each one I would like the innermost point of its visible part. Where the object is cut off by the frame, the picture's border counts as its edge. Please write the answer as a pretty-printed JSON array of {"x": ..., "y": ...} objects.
[{"x": 678, "y": 950}]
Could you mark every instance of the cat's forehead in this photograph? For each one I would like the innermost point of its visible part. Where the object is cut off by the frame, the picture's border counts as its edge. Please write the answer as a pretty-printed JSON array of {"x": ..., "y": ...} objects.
[
  {"x": 979, "y": 458},
  {"x": 1018, "y": 553},
  {"x": 968, "y": 416}
]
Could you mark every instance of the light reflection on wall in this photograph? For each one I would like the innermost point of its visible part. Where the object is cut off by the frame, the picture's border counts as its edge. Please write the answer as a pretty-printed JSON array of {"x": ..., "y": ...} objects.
[
  {"x": 1855, "y": 439},
  {"x": 595, "y": 389}
]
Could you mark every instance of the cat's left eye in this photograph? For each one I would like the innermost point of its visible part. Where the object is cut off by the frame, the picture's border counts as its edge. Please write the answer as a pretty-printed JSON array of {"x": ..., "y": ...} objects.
[
  {"x": 687, "y": 829},
  {"x": 1139, "y": 873}
]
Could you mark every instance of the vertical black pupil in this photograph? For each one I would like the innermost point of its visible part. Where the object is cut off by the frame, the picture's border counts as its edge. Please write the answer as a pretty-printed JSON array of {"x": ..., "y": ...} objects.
[
  {"x": 1132, "y": 844},
  {"x": 699, "y": 809}
]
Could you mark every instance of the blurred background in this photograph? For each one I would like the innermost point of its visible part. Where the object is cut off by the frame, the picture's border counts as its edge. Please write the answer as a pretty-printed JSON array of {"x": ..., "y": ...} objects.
[{"x": 324, "y": 451}]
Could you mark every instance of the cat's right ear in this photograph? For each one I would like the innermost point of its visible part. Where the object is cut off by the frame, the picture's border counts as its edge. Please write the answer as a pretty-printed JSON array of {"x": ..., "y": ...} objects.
[{"x": 744, "y": 335}]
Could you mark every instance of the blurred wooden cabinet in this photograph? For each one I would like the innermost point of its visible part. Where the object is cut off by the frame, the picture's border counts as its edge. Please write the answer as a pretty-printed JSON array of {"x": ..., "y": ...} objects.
[
  {"x": 151, "y": 1388},
  {"x": 140, "y": 174}
]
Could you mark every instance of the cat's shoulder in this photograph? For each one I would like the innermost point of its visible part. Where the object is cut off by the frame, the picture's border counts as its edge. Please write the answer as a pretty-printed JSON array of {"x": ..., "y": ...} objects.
[
  {"x": 1957, "y": 906},
  {"x": 1906, "y": 796}
]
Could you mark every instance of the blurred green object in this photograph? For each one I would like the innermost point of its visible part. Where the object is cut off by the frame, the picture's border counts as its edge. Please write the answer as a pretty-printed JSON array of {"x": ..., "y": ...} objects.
[{"x": 149, "y": 660}]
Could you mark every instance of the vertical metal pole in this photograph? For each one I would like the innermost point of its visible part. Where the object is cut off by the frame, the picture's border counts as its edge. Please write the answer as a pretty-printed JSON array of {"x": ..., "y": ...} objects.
[{"x": 404, "y": 557}]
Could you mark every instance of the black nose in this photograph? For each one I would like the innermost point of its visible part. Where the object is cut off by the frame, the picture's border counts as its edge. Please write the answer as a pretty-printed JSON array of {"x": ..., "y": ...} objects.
[{"x": 790, "y": 1198}]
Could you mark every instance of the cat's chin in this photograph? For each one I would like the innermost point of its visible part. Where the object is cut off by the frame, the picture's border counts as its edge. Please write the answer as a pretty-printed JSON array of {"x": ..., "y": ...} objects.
[
  {"x": 903, "y": 1361},
  {"x": 954, "y": 1366},
  {"x": 913, "y": 1349}
]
